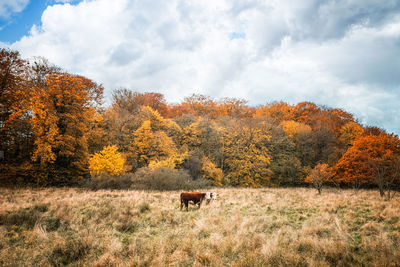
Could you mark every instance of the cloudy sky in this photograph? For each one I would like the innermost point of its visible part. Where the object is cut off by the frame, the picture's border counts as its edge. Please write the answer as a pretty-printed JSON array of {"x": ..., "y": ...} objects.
[{"x": 339, "y": 53}]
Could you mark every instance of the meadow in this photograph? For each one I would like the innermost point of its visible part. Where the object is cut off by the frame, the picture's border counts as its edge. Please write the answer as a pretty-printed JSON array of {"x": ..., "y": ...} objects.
[{"x": 244, "y": 227}]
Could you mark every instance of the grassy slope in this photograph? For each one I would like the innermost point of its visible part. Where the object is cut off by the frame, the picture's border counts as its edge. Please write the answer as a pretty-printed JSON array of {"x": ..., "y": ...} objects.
[{"x": 245, "y": 227}]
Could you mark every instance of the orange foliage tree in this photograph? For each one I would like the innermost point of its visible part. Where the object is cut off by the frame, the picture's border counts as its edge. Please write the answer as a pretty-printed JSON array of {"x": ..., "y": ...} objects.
[
  {"x": 278, "y": 111},
  {"x": 305, "y": 111},
  {"x": 132, "y": 101},
  {"x": 13, "y": 87},
  {"x": 319, "y": 175},
  {"x": 339, "y": 118},
  {"x": 16, "y": 139},
  {"x": 61, "y": 113},
  {"x": 293, "y": 128},
  {"x": 355, "y": 167},
  {"x": 233, "y": 107},
  {"x": 201, "y": 105}
]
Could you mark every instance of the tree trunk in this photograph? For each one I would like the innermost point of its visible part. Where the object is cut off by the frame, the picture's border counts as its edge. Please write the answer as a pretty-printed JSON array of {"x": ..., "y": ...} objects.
[{"x": 381, "y": 192}]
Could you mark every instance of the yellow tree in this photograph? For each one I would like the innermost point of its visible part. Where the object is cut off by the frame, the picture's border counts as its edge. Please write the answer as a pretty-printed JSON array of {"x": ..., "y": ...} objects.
[
  {"x": 150, "y": 146},
  {"x": 159, "y": 123},
  {"x": 175, "y": 160},
  {"x": 192, "y": 135},
  {"x": 162, "y": 146},
  {"x": 293, "y": 128},
  {"x": 134, "y": 131},
  {"x": 142, "y": 143},
  {"x": 210, "y": 171},
  {"x": 247, "y": 159},
  {"x": 350, "y": 132},
  {"x": 148, "y": 114},
  {"x": 107, "y": 161},
  {"x": 97, "y": 133}
]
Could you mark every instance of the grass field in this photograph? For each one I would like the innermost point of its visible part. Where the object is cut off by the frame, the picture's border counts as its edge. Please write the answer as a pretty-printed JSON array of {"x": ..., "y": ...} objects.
[{"x": 244, "y": 227}]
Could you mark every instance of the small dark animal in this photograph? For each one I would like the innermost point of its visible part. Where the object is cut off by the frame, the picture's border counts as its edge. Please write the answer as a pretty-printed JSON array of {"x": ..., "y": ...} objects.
[{"x": 195, "y": 197}]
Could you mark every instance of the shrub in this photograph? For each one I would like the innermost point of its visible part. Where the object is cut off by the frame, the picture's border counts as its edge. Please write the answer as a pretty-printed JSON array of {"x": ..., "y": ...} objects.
[
  {"x": 165, "y": 179},
  {"x": 107, "y": 181}
]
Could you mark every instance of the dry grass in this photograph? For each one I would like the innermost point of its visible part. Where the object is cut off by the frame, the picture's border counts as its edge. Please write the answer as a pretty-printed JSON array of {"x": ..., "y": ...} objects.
[{"x": 245, "y": 227}]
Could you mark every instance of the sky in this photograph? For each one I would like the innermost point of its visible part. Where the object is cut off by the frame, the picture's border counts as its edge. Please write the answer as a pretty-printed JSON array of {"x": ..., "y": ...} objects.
[{"x": 337, "y": 53}]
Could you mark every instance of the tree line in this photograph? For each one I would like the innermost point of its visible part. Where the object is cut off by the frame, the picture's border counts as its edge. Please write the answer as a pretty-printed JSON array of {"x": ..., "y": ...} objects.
[{"x": 55, "y": 130}]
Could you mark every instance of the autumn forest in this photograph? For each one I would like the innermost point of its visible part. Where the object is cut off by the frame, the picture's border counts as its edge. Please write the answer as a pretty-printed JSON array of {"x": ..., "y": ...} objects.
[{"x": 56, "y": 131}]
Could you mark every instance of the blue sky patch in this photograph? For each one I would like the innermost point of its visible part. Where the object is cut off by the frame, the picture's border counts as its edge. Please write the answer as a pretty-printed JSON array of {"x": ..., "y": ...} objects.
[
  {"x": 19, "y": 24},
  {"x": 237, "y": 35}
]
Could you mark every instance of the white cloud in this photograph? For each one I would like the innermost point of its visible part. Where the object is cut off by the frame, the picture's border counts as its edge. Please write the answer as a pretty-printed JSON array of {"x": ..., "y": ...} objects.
[
  {"x": 9, "y": 7},
  {"x": 341, "y": 53}
]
